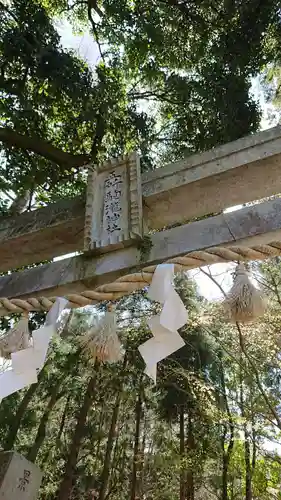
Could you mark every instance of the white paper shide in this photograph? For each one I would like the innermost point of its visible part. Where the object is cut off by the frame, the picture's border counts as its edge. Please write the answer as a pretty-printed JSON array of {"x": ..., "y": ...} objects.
[
  {"x": 26, "y": 363},
  {"x": 164, "y": 327}
]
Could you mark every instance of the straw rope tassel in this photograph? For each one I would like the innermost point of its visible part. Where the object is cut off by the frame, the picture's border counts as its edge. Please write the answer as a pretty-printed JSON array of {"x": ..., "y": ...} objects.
[
  {"x": 244, "y": 302},
  {"x": 101, "y": 341},
  {"x": 136, "y": 281},
  {"x": 16, "y": 339}
]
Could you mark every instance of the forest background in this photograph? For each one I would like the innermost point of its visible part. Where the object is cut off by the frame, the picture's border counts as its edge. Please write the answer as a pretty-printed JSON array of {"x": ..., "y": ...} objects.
[{"x": 167, "y": 78}]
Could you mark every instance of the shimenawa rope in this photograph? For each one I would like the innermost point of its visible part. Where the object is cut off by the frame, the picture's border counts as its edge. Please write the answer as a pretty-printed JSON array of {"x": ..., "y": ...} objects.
[{"x": 136, "y": 281}]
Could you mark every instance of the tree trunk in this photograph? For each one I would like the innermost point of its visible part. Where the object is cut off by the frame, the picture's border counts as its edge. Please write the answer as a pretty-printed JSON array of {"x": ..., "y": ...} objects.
[
  {"x": 226, "y": 453},
  {"x": 12, "y": 435},
  {"x": 56, "y": 443},
  {"x": 41, "y": 432},
  {"x": 232, "y": 494},
  {"x": 254, "y": 434},
  {"x": 111, "y": 435},
  {"x": 189, "y": 474},
  {"x": 98, "y": 443},
  {"x": 248, "y": 487},
  {"x": 104, "y": 478},
  {"x": 138, "y": 412},
  {"x": 224, "y": 493},
  {"x": 247, "y": 449},
  {"x": 142, "y": 455},
  {"x": 182, "y": 453},
  {"x": 63, "y": 419},
  {"x": 68, "y": 479}
]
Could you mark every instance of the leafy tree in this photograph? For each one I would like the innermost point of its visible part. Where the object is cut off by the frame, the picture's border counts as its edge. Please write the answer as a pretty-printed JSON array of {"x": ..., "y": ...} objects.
[
  {"x": 173, "y": 78},
  {"x": 57, "y": 114},
  {"x": 187, "y": 400}
]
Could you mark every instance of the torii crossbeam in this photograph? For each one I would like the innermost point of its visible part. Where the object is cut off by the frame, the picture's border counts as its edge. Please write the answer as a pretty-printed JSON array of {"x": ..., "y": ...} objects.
[{"x": 108, "y": 227}]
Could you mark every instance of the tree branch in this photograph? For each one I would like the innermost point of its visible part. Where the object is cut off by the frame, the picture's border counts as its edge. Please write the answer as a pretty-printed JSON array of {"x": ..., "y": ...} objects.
[
  {"x": 213, "y": 280},
  {"x": 256, "y": 374},
  {"x": 93, "y": 5},
  {"x": 250, "y": 361},
  {"x": 154, "y": 96},
  {"x": 75, "y": 4},
  {"x": 41, "y": 147},
  {"x": 99, "y": 134},
  {"x": 94, "y": 28},
  {"x": 185, "y": 10}
]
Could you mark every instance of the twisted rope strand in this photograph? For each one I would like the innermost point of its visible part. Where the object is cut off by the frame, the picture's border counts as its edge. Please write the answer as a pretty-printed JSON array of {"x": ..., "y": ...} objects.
[{"x": 136, "y": 281}]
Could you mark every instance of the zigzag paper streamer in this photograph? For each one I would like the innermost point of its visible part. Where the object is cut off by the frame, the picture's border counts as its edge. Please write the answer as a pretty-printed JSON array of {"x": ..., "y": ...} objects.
[
  {"x": 27, "y": 362},
  {"x": 166, "y": 339}
]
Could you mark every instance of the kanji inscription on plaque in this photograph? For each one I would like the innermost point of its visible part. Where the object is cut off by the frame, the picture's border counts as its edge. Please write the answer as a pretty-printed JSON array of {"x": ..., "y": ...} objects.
[
  {"x": 113, "y": 187},
  {"x": 19, "y": 478},
  {"x": 113, "y": 204}
]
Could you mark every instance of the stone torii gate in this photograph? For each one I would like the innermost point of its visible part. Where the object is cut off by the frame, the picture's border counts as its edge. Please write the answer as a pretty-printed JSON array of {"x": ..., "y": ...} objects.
[
  {"x": 122, "y": 205},
  {"x": 108, "y": 229}
]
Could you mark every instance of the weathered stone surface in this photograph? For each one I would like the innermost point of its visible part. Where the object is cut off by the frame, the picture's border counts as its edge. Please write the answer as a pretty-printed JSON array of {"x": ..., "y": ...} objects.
[
  {"x": 42, "y": 234},
  {"x": 19, "y": 478},
  {"x": 113, "y": 204},
  {"x": 252, "y": 225},
  {"x": 242, "y": 171}
]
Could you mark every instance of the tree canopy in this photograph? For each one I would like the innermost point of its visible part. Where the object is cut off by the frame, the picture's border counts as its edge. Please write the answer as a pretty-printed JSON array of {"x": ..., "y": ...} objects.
[{"x": 173, "y": 77}]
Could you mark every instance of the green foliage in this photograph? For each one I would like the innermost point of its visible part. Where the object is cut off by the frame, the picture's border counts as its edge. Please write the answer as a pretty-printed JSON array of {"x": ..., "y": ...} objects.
[
  {"x": 48, "y": 93},
  {"x": 185, "y": 421},
  {"x": 173, "y": 78},
  {"x": 192, "y": 63},
  {"x": 189, "y": 67}
]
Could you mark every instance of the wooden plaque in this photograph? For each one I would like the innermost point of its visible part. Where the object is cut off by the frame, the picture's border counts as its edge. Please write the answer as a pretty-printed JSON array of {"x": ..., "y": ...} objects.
[{"x": 113, "y": 204}]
